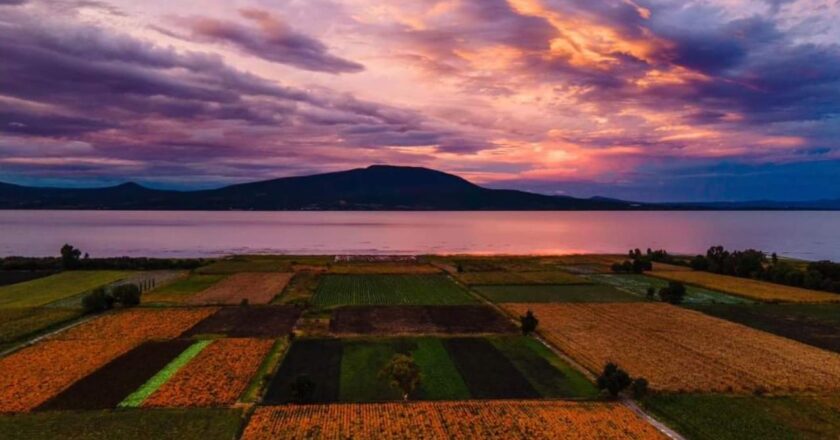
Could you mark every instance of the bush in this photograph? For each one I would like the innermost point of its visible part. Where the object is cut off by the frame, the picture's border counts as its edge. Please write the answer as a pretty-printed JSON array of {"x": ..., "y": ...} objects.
[
  {"x": 126, "y": 294},
  {"x": 639, "y": 387},
  {"x": 97, "y": 301},
  {"x": 673, "y": 294},
  {"x": 613, "y": 379},
  {"x": 529, "y": 323}
]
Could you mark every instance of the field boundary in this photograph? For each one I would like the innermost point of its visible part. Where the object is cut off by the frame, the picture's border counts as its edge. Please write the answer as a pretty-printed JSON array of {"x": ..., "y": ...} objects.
[{"x": 28, "y": 342}]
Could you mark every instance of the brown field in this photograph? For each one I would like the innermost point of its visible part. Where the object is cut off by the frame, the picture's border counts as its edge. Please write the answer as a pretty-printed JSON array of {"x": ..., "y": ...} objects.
[
  {"x": 746, "y": 287},
  {"x": 662, "y": 267},
  {"x": 216, "y": 377},
  {"x": 453, "y": 420},
  {"x": 383, "y": 268},
  {"x": 682, "y": 350},
  {"x": 256, "y": 287},
  {"x": 514, "y": 278}
]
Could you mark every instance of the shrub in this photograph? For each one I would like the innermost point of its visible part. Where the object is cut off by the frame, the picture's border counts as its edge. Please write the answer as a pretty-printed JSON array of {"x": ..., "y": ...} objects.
[
  {"x": 639, "y": 387},
  {"x": 126, "y": 294},
  {"x": 97, "y": 301},
  {"x": 673, "y": 293},
  {"x": 613, "y": 379},
  {"x": 528, "y": 322},
  {"x": 402, "y": 373}
]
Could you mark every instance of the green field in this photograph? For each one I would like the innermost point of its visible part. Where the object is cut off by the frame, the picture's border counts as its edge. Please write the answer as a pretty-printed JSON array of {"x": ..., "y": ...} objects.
[
  {"x": 339, "y": 290},
  {"x": 638, "y": 284},
  {"x": 300, "y": 289},
  {"x": 555, "y": 293},
  {"x": 62, "y": 285},
  {"x": 715, "y": 417},
  {"x": 175, "y": 424},
  {"x": 253, "y": 263},
  {"x": 543, "y": 277},
  {"x": 19, "y": 323},
  {"x": 513, "y": 367},
  {"x": 181, "y": 290}
]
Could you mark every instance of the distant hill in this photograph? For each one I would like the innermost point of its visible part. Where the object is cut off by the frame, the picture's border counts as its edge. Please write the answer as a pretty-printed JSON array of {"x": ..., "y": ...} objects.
[{"x": 377, "y": 187}]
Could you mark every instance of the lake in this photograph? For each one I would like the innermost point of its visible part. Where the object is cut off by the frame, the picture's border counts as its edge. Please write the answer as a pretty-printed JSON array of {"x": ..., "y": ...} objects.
[{"x": 808, "y": 235}]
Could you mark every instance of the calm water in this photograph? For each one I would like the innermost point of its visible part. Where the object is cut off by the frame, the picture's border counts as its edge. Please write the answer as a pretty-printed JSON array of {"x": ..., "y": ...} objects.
[{"x": 810, "y": 235}]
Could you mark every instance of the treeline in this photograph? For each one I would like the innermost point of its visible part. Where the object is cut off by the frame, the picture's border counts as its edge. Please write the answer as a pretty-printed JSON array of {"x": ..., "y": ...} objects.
[
  {"x": 749, "y": 263},
  {"x": 72, "y": 259}
]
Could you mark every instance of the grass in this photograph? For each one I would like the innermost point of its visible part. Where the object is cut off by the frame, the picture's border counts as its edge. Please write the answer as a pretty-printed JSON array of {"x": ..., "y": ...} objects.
[
  {"x": 546, "y": 277},
  {"x": 638, "y": 285},
  {"x": 814, "y": 324},
  {"x": 360, "y": 365},
  {"x": 248, "y": 263},
  {"x": 440, "y": 379},
  {"x": 137, "y": 398},
  {"x": 338, "y": 290},
  {"x": 175, "y": 424},
  {"x": 19, "y": 324},
  {"x": 546, "y": 372},
  {"x": 181, "y": 290},
  {"x": 300, "y": 289},
  {"x": 488, "y": 373},
  {"x": 749, "y": 288},
  {"x": 555, "y": 293},
  {"x": 733, "y": 418},
  {"x": 62, "y": 285}
]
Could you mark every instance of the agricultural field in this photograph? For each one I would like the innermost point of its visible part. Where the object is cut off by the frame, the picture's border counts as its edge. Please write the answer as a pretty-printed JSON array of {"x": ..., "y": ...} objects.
[
  {"x": 454, "y": 420},
  {"x": 180, "y": 291},
  {"x": 387, "y": 268},
  {"x": 453, "y": 368},
  {"x": 17, "y": 324},
  {"x": 399, "y": 320},
  {"x": 138, "y": 325},
  {"x": 546, "y": 293},
  {"x": 338, "y": 290},
  {"x": 215, "y": 377},
  {"x": 255, "y": 287},
  {"x": 813, "y": 324},
  {"x": 244, "y": 322},
  {"x": 720, "y": 417},
  {"x": 509, "y": 278},
  {"x": 300, "y": 289},
  {"x": 247, "y": 263},
  {"x": 163, "y": 424},
  {"x": 42, "y": 291},
  {"x": 681, "y": 350},
  {"x": 8, "y": 277},
  {"x": 748, "y": 288},
  {"x": 639, "y": 284}
]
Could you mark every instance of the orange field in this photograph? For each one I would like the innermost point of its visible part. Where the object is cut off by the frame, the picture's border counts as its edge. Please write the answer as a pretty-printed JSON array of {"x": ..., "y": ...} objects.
[
  {"x": 453, "y": 420},
  {"x": 746, "y": 287},
  {"x": 216, "y": 377},
  {"x": 35, "y": 374},
  {"x": 256, "y": 287},
  {"x": 681, "y": 350},
  {"x": 138, "y": 325}
]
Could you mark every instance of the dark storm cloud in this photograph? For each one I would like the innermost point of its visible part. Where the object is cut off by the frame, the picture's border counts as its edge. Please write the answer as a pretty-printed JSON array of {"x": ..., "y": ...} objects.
[{"x": 269, "y": 38}]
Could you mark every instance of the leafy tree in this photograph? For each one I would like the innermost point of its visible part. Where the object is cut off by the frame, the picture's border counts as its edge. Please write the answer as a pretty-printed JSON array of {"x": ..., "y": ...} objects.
[
  {"x": 528, "y": 322},
  {"x": 613, "y": 379},
  {"x": 673, "y": 293},
  {"x": 303, "y": 389},
  {"x": 126, "y": 294},
  {"x": 639, "y": 387},
  {"x": 70, "y": 257},
  {"x": 97, "y": 301},
  {"x": 401, "y": 373}
]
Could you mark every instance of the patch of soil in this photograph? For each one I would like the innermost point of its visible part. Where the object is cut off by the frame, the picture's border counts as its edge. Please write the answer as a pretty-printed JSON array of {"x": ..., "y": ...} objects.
[{"x": 244, "y": 322}]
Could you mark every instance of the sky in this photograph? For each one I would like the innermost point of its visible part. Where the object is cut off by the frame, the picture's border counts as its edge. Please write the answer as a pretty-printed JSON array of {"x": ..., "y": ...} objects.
[{"x": 648, "y": 100}]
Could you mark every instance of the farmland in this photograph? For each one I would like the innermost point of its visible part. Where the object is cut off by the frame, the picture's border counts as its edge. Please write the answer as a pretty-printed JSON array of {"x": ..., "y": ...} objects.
[
  {"x": 748, "y": 288},
  {"x": 338, "y": 290},
  {"x": 555, "y": 293},
  {"x": 397, "y": 320},
  {"x": 458, "y": 368},
  {"x": 42, "y": 291},
  {"x": 550, "y": 277},
  {"x": 639, "y": 284},
  {"x": 745, "y": 359},
  {"x": 814, "y": 324},
  {"x": 181, "y": 290},
  {"x": 455, "y": 420},
  {"x": 19, "y": 323},
  {"x": 255, "y": 287},
  {"x": 257, "y": 321}
]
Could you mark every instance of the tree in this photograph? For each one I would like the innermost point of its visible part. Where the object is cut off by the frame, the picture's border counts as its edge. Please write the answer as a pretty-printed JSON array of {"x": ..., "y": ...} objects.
[
  {"x": 673, "y": 293},
  {"x": 303, "y": 389},
  {"x": 639, "y": 387},
  {"x": 97, "y": 301},
  {"x": 528, "y": 322},
  {"x": 70, "y": 257},
  {"x": 126, "y": 294},
  {"x": 401, "y": 373},
  {"x": 613, "y": 379}
]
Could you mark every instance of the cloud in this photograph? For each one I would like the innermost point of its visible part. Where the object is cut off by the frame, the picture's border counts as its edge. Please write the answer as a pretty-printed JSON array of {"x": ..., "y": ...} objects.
[{"x": 270, "y": 38}]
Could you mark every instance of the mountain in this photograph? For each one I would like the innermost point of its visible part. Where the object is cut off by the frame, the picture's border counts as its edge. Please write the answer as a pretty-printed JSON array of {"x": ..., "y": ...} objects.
[{"x": 378, "y": 187}]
